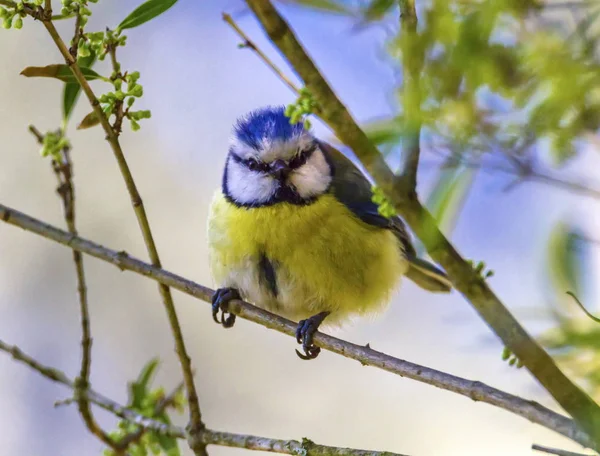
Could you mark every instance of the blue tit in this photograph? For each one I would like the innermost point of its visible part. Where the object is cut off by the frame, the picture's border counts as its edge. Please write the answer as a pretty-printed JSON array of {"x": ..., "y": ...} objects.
[{"x": 294, "y": 231}]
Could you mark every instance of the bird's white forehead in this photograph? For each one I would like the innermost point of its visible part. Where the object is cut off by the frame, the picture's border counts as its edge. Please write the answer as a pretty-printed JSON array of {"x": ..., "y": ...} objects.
[{"x": 270, "y": 149}]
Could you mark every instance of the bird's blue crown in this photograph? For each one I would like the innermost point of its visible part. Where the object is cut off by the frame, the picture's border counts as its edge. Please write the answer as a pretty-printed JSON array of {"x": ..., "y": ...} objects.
[{"x": 266, "y": 123}]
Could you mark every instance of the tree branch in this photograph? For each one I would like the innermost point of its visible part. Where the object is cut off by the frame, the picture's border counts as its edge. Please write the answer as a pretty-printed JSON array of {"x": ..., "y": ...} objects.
[
  {"x": 196, "y": 423},
  {"x": 412, "y": 63},
  {"x": 207, "y": 436},
  {"x": 465, "y": 279},
  {"x": 248, "y": 43},
  {"x": 63, "y": 170},
  {"x": 474, "y": 390},
  {"x": 555, "y": 451}
]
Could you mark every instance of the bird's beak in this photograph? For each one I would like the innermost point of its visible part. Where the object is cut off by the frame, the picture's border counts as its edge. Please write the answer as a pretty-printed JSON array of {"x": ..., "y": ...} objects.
[{"x": 279, "y": 169}]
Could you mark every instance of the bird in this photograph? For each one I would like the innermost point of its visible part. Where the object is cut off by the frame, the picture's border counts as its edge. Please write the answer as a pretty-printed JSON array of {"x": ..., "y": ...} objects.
[{"x": 293, "y": 230}]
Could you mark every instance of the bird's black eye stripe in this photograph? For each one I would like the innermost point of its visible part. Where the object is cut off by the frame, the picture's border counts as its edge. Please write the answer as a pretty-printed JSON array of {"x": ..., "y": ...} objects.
[
  {"x": 251, "y": 163},
  {"x": 302, "y": 157}
]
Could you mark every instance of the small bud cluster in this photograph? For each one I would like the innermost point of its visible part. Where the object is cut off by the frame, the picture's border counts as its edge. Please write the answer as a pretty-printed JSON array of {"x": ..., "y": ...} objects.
[
  {"x": 507, "y": 355},
  {"x": 480, "y": 269},
  {"x": 13, "y": 17},
  {"x": 384, "y": 206},
  {"x": 127, "y": 96},
  {"x": 100, "y": 43},
  {"x": 77, "y": 8},
  {"x": 304, "y": 106},
  {"x": 53, "y": 144}
]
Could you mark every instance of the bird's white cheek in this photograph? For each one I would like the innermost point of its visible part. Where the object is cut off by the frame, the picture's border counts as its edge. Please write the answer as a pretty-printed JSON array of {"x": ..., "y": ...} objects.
[
  {"x": 313, "y": 178},
  {"x": 246, "y": 186}
]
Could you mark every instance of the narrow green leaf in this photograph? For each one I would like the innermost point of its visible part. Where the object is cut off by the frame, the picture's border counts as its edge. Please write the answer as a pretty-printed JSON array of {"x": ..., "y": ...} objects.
[
  {"x": 384, "y": 131},
  {"x": 145, "y": 12},
  {"x": 61, "y": 72},
  {"x": 377, "y": 9},
  {"x": 89, "y": 121},
  {"x": 73, "y": 89},
  {"x": 328, "y": 6},
  {"x": 567, "y": 256},
  {"x": 139, "y": 389},
  {"x": 168, "y": 445},
  {"x": 448, "y": 196}
]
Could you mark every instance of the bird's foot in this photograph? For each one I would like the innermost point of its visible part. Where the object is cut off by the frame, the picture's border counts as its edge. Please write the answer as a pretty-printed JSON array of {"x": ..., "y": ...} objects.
[
  {"x": 304, "y": 335},
  {"x": 220, "y": 302}
]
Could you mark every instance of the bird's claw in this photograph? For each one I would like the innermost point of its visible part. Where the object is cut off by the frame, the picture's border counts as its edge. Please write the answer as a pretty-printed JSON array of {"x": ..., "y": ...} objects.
[
  {"x": 220, "y": 301},
  {"x": 305, "y": 333}
]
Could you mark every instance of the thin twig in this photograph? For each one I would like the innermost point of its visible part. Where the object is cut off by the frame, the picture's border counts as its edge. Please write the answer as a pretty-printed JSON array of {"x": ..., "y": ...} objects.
[
  {"x": 557, "y": 452},
  {"x": 463, "y": 276},
  {"x": 580, "y": 304},
  {"x": 474, "y": 390},
  {"x": 208, "y": 437},
  {"x": 248, "y": 43},
  {"x": 63, "y": 170},
  {"x": 196, "y": 423}
]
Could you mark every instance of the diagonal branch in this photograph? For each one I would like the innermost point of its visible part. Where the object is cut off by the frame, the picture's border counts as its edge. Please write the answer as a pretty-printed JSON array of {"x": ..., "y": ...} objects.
[
  {"x": 138, "y": 206},
  {"x": 465, "y": 279},
  {"x": 474, "y": 390},
  {"x": 63, "y": 170},
  {"x": 250, "y": 45},
  {"x": 208, "y": 437}
]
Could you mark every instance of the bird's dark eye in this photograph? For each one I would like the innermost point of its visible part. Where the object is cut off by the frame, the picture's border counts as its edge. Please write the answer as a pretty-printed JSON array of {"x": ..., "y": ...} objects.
[{"x": 252, "y": 164}]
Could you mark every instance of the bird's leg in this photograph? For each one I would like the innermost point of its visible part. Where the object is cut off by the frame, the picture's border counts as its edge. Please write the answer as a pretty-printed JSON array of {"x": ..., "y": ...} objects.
[
  {"x": 305, "y": 332},
  {"x": 220, "y": 301}
]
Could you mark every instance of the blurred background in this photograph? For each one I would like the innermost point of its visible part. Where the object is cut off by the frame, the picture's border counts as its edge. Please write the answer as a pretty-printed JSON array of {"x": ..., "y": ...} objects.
[{"x": 196, "y": 82}]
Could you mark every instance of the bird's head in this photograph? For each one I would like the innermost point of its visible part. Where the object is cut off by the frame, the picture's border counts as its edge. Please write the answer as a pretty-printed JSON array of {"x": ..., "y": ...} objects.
[{"x": 272, "y": 161}]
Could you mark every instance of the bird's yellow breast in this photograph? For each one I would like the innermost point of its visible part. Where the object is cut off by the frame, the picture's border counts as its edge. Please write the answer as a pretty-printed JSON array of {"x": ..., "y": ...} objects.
[{"x": 324, "y": 257}]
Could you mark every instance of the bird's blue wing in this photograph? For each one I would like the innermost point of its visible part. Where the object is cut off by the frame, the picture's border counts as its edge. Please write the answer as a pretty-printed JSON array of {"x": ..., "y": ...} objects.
[{"x": 352, "y": 188}]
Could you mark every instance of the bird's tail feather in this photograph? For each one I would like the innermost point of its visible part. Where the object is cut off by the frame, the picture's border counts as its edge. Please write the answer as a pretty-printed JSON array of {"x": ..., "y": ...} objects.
[{"x": 427, "y": 276}]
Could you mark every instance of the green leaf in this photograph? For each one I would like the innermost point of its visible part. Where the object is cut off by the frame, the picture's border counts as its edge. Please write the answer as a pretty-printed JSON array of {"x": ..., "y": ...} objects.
[
  {"x": 448, "y": 196},
  {"x": 168, "y": 445},
  {"x": 328, "y": 6},
  {"x": 145, "y": 12},
  {"x": 73, "y": 89},
  {"x": 139, "y": 389},
  {"x": 377, "y": 9},
  {"x": 567, "y": 255},
  {"x": 62, "y": 72},
  {"x": 384, "y": 131},
  {"x": 89, "y": 121}
]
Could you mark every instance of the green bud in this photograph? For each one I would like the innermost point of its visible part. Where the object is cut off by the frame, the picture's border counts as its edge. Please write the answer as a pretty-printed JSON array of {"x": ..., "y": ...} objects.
[
  {"x": 133, "y": 77},
  {"x": 512, "y": 361},
  {"x": 83, "y": 20},
  {"x": 3, "y": 13},
  {"x": 519, "y": 364},
  {"x": 118, "y": 83},
  {"x": 145, "y": 114},
  {"x": 18, "y": 22},
  {"x": 19, "y": 6},
  {"x": 506, "y": 353},
  {"x": 134, "y": 125},
  {"x": 307, "y": 124},
  {"x": 136, "y": 91},
  {"x": 84, "y": 51},
  {"x": 130, "y": 102},
  {"x": 84, "y": 11},
  {"x": 6, "y": 23}
]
